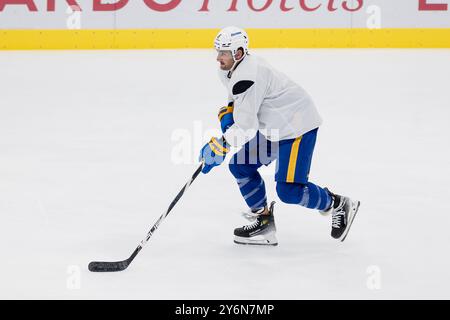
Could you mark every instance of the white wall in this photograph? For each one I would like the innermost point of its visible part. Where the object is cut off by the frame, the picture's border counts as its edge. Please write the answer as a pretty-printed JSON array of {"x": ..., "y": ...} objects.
[{"x": 136, "y": 14}]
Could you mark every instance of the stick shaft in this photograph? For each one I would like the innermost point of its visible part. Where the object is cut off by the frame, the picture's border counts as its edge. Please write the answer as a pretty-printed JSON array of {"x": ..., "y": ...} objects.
[{"x": 164, "y": 215}]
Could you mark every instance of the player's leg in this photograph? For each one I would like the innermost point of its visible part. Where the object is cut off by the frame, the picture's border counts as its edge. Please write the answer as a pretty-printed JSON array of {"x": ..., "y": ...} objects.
[
  {"x": 292, "y": 174},
  {"x": 294, "y": 187},
  {"x": 308, "y": 195},
  {"x": 244, "y": 166}
]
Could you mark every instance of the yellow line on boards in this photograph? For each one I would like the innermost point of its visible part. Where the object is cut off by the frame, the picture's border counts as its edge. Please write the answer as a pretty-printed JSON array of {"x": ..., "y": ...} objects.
[{"x": 203, "y": 38}]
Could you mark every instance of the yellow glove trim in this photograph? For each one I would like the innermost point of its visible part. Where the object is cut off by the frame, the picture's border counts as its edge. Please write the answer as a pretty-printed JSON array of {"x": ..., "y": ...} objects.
[
  {"x": 224, "y": 111},
  {"x": 217, "y": 147}
]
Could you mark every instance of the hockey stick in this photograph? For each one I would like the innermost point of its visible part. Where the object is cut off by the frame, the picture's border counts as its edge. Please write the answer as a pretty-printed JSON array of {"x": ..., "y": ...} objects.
[{"x": 98, "y": 266}]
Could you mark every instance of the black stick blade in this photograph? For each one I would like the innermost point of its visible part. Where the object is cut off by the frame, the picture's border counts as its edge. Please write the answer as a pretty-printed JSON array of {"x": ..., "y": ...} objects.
[{"x": 97, "y": 266}]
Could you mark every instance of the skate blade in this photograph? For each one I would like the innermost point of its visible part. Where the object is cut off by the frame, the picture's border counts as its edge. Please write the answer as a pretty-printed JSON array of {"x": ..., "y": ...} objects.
[
  {"x": 354, "y": 211},
  {"x": 269, "y": 241}
]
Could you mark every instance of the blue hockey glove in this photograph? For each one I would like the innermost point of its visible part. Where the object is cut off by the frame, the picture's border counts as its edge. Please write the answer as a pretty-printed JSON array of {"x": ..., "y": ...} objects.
[
  {"x": 213, "y": 153},
  {"x": 226, "y": 117}
]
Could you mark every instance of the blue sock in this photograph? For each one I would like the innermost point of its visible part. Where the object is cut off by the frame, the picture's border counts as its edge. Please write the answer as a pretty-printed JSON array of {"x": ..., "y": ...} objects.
[
  {"x": 253, "y": 190},
  {"x": 307, "y": 195}
]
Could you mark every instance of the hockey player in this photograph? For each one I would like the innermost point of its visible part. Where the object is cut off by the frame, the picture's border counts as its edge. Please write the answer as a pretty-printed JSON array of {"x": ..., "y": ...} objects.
[{"x": 270, "y": 118}]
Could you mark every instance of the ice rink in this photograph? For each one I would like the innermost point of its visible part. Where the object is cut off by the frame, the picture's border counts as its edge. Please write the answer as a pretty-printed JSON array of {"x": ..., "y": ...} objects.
[{"x": 91, "y": 154}]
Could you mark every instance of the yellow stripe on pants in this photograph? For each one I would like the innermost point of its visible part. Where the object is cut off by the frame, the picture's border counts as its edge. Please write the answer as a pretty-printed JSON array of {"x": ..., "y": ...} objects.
[{"x": 293, "y": 160}]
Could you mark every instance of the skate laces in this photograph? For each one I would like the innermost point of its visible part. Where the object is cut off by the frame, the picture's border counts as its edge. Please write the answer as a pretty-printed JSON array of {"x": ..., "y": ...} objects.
[
  {"x": 338, "y": 215},
  {"x": 253, "y": 225},
  {"x": 250, "y": 216},
  {"x": 336, "y": 220}
]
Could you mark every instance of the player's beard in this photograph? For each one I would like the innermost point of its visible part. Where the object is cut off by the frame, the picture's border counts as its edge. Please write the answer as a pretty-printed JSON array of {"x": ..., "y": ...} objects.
[{"x": 224, "y": 67}]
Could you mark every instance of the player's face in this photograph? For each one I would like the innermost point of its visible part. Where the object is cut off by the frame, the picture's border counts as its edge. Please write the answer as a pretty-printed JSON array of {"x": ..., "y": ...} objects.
[{"x": 225, "y": 59}]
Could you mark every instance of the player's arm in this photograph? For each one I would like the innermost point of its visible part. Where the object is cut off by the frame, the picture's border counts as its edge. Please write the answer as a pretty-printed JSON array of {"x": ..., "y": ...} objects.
[
  {"x": 225, "y": 116},
  {"x": 239, "y": 123},
  {"x": 247, "y": 97}
]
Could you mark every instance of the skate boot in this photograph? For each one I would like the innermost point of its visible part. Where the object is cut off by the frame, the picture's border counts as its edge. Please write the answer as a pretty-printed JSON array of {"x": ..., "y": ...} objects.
[
  {"x": 343, "y": 211},
  {"x": 260, "y": 232}
]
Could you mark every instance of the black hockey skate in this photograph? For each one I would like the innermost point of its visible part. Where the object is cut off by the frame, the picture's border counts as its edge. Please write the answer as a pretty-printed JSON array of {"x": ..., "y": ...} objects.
[
  {"x": 260, "y": 232},
  {"x": 343, "y": 212}
]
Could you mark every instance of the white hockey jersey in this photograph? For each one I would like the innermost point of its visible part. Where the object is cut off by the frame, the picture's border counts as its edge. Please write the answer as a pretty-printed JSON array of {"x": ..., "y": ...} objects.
[{"x": 266, "y": 100}]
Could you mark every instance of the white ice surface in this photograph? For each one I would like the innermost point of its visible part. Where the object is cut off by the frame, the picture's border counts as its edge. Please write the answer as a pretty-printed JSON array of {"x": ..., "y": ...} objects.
[{"x": 85, "y": 170}]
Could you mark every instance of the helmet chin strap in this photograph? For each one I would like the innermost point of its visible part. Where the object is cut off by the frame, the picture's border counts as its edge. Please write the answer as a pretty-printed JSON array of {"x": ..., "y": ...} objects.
[{"x": 235, "y": 64}]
